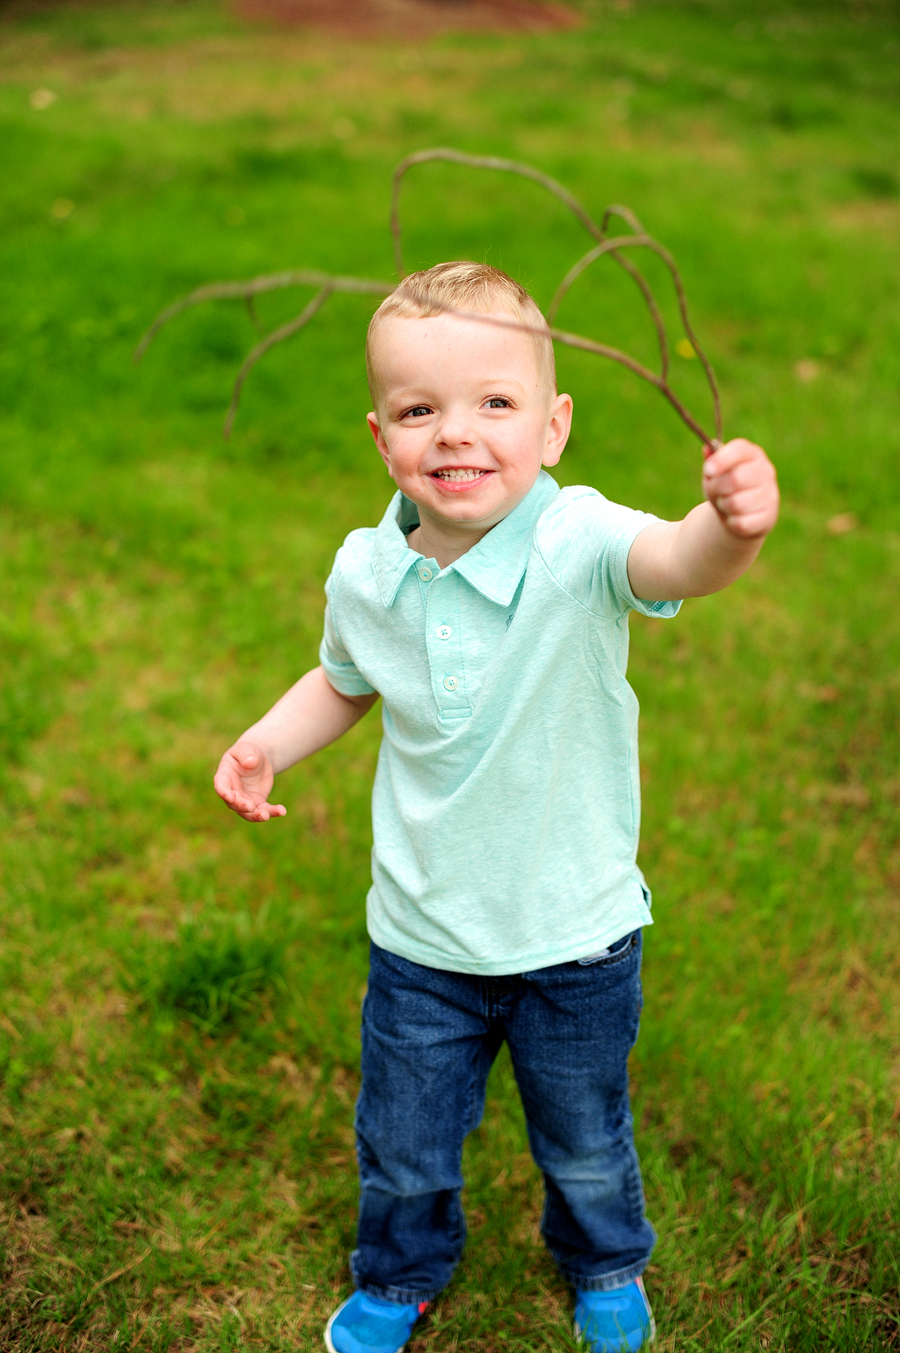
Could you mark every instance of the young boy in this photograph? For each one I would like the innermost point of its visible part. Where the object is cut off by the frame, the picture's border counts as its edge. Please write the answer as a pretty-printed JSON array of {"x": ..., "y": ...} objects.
[{"x": 489, "y": 611}]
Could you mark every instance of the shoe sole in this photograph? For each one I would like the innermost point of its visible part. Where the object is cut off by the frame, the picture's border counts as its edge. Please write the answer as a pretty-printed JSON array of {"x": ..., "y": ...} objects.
[{"x": 579, "y": 1337}]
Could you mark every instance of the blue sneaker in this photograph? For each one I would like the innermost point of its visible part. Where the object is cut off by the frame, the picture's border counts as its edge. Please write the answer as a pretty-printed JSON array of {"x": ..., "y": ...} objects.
[
  {"x": 368, "y": 1325},
  {"x": 618, "y": 1321}
]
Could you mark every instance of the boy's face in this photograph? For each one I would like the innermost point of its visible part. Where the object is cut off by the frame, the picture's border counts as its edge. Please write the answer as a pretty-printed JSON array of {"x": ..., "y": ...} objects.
[{"x": 465, "y": 419}]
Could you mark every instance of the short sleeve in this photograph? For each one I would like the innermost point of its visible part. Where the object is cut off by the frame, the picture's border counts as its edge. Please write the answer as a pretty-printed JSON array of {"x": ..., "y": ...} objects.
[
  {"x": 584, "y": 540},
  {"x": 340, "y": 669}
]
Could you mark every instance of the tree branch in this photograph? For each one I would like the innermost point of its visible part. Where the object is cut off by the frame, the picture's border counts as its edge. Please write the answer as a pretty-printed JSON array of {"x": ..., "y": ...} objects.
[{"x": 328, "y": 283}]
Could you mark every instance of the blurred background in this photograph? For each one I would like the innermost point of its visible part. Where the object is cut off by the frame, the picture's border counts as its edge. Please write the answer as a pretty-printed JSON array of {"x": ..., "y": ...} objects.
[{"x": 181, "y": 991}]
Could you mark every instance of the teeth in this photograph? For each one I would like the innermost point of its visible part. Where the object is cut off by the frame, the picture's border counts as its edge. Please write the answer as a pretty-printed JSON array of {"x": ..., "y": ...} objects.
[{"x": 457, "y": 475}]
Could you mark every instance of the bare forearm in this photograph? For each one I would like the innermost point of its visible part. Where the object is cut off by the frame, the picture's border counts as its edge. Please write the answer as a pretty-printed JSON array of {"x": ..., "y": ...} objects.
[
  {"x": 717, "y": 541},
  {"x": 307, "y": 718},
  {"x": 690, "y": 558}
]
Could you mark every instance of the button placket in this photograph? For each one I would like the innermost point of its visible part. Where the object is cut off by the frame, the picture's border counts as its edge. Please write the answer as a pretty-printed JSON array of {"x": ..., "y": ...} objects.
[{"x": 443, "y": 640}]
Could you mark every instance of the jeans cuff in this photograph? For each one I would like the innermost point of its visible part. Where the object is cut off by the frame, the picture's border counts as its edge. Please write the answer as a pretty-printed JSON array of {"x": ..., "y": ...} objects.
[
  {"x": 402, "y": 1295},
  {"x": 605, "y": 1282}
]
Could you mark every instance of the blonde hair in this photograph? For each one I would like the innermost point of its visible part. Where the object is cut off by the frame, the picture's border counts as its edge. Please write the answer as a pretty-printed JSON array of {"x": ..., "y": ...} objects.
[{"x": 463, "y": 286}]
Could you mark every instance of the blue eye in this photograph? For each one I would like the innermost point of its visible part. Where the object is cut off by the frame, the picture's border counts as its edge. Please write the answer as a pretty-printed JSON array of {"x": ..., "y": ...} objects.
[
  {"x": 498, "y": 402},
  {"x": 420, "y": 411}
]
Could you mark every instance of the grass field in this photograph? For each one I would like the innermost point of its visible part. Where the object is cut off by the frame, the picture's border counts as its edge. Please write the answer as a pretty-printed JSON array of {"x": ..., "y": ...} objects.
[{"x": 181, "y": 992}]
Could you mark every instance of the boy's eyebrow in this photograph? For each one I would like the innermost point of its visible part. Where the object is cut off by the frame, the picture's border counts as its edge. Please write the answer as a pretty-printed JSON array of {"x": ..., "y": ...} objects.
[
  {"x": 420, "y": 394},
  {"x": 401, "y": 401}
]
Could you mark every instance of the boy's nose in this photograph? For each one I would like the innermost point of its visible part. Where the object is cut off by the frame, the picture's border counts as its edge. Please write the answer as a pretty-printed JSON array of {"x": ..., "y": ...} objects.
[{"x": 454, "y": 430}]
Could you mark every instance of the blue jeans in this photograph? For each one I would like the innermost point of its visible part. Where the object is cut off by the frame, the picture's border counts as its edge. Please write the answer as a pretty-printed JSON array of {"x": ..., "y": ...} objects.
[{"x": 428, "y": 1041}]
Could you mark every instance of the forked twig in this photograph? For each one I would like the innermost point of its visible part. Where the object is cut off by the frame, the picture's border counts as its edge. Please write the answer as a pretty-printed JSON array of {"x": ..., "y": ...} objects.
[
  {"x": 480, "y": 162},
  {"x": 327, "y": 284},
  {"x": 669, "y": 261},
  {"x": 276, "y": 336},
  {"x": 251, "y": 311},
  {"x": 296, "y": 277},
  {"x": 585, "y": 345},
  {"x": 600, "y": 234}
]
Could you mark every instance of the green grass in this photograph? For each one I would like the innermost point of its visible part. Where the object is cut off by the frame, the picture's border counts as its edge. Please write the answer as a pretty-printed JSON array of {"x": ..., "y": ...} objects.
[
  {"x": 178, "y": 1035},
  {"x": 212, "y": 977}
]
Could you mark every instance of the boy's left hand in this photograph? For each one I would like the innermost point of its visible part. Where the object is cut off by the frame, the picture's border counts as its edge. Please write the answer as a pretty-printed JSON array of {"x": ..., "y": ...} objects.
[{"x": 739, "y": 480}]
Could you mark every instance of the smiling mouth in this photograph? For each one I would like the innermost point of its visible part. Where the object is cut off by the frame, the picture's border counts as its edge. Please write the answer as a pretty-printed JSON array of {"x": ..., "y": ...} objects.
[{"x": 458, "y": 476}]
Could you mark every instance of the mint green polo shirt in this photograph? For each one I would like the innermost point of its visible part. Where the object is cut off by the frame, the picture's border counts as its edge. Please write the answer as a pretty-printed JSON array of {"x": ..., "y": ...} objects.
[{"x": 506, "y": 804}]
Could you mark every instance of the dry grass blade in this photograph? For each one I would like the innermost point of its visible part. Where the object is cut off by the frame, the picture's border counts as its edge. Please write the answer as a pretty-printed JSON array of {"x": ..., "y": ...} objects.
[
  {"x": 126, "y": 1268},
  {"x": 201, "y": 1244},
  {"x": 329, "y": 283}
]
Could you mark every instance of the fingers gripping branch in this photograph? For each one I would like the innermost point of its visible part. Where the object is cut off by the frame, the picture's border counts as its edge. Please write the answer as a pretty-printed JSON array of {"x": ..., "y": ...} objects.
[{"x": 327, "y": 284}]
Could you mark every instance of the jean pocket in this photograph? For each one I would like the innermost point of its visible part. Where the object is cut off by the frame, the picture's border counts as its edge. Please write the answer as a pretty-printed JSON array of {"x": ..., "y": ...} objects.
[{"x": 617, "y": 951}]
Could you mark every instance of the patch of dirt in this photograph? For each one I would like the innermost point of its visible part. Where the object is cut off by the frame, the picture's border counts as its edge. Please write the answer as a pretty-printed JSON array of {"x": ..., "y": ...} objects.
[
  {"x": 883, "y": 216},
  {"x": 410, "y": 18}
]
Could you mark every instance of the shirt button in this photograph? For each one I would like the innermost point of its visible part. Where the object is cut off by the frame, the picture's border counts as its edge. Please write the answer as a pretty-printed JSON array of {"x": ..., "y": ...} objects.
[
  {"x": 443, "y": 631},
  {"x": 451, "y": 683},
  {"x": 425, "y": 574}
]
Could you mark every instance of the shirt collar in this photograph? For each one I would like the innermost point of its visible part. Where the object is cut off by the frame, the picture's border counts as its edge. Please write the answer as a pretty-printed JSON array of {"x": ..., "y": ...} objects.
[{"x": 494, "y": 566}]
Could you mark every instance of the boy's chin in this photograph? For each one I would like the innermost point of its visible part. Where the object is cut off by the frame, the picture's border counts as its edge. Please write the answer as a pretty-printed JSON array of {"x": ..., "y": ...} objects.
[{"x": 474, "y": 516}]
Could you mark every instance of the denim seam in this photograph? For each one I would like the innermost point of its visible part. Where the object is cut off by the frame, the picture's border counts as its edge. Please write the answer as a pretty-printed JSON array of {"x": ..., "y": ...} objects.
[
  {"x": 608, "y": 1282},
  {"x": 405, "y": 1296},
  {"x": 398, "y": 1294}
]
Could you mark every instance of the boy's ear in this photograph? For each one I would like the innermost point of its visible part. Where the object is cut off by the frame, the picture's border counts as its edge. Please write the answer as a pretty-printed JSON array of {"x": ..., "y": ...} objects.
[
  {"x": 375, "y": 429},
  {"x": 558, "y": 430}
]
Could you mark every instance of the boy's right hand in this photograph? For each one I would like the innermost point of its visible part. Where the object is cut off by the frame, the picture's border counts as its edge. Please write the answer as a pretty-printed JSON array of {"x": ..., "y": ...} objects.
[{"x": 244, "y": 781}]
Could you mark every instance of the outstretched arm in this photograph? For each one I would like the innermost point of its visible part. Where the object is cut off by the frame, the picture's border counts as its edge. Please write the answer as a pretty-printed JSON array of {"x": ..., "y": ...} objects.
[
  {"x": 719, "y": 539},
  {"x": 307, "y": 718}
]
